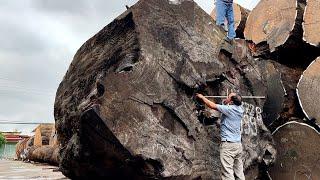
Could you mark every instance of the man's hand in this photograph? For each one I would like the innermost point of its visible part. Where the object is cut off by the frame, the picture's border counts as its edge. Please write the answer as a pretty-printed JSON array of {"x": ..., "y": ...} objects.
[
  {"x": 225, "y": 102},
  {"x": 200, "y": 96},
  {"x": 209, "y": 103}
]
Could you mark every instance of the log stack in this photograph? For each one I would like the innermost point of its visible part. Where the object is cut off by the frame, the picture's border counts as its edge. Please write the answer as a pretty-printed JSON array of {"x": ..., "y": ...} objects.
[
  {"x": 275, "y": 23},
  {"x": 282, "y": 30},
  {"x": 308, "y": 91},
  {"x": 311, "y": 23},
  {"x": 42, "y": 134},
  {"x": 287, "y": 34},
  {"x": 42, "y": 147},
  {"x": 21, "y": 148}
]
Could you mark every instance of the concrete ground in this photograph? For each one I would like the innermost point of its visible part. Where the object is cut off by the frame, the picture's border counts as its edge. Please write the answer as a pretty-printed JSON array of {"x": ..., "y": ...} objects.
[{"x": 10, "y": 169}]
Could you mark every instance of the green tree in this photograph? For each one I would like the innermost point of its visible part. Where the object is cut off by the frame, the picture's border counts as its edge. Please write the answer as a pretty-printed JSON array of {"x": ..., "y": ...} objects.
[{"x": 2, "y": 139}]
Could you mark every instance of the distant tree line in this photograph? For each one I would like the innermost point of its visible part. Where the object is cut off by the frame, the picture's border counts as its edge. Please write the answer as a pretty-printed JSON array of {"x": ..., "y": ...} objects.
[{"x": 2, "y": 139}]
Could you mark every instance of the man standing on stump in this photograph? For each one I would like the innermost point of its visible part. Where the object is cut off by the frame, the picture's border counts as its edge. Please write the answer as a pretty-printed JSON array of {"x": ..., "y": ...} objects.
[
  {"x": 230, "y": 147},
  {"x": 224, "y": 10}
]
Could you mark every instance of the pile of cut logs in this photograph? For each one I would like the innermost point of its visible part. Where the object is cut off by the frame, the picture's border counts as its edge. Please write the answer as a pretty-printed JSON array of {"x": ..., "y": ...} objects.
[
  {"x": 288, "y": 33},
  {"x": 42, "y": 147}
]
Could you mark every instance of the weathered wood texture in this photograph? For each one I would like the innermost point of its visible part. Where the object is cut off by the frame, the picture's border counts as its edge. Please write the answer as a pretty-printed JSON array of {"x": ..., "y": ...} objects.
[
  {"x": 298, "y": 157},
  {"x": 20, "y": 148},
  {"x": 134, "y": 82},
  {"x": 42, "y": 134},
  {"x": 53, "y": 140},
  {"x": 311, "y": 24},
  {"x": 45, "y": 154},
  {"x": 308, "y": 90},
  {"x": 275, "y": 23},
  {"x": 282, "y": 103},
  {"x": 23, "y": 148},
  {"x": 42, "y": 147},
  {"x": 240, "y": 18}
]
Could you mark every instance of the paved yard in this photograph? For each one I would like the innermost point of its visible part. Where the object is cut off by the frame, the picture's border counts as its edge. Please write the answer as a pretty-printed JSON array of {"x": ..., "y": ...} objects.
[{"x": 20, "y": 170}]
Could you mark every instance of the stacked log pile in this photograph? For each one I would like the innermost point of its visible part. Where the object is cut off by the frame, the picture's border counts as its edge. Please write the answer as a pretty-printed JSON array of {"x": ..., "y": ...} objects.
[
  {"x": 125, "y": 108},
  {"x": 287, "y": 32},
  {"x": 42, "y": 147},
  {"x": 311, "y": 23},
  {"x": 23, "y": 147}
]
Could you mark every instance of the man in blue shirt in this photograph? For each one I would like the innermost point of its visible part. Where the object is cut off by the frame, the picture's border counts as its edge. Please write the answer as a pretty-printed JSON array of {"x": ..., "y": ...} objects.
[
  {"x": 230, "y": 147},
  {"x": 224, "y": 10}
]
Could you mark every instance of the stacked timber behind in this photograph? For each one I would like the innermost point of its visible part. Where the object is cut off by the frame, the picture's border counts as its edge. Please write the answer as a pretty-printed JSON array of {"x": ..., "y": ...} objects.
[
  {"x": 42, "y": 134},
  {"x": 288, "y": 32},
  {"x": 275, "y": 23},
  {"x": 308, "y": 91},
  {"x": 311, "y": 23}
]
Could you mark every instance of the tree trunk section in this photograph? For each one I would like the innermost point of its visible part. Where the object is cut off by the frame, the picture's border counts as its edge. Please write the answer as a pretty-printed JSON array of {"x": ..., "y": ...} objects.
[
  {"x": 298, "y": 156},
  {"x": 126, "y": 104},
  {"x": 272, "y": 22},
  {"x": 311, "y": 24},
  {"x": 308, "y": 91}
]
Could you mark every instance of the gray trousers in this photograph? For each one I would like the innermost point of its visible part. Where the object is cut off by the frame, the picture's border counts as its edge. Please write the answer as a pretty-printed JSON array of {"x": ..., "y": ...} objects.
[{"x": 230, "y": 157}]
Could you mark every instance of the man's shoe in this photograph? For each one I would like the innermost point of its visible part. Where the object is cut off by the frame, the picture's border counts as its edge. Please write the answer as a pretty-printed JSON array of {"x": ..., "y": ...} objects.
[
  {"x": 223, "y": 27},
  {"x": 230, "y": 41}
]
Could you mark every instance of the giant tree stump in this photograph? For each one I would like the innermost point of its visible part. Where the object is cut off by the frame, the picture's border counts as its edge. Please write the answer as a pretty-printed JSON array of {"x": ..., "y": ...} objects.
[
  {"x": 125, "y": 108},
  {"x": 298, "y": 157},
  {"x": 308, "y": 91},
  {"x": 272, "y": 22},
  {"x": 311, "y": 24},
  {"x": 240, "y": 18}
]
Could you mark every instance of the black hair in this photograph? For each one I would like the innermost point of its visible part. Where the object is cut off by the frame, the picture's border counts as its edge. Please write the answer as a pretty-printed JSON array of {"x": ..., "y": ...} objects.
[{"x": 236, "y": 99}]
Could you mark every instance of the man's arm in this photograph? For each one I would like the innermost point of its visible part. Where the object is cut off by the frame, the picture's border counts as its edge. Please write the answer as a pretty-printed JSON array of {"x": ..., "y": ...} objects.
[{"x": 209, "y": 103}]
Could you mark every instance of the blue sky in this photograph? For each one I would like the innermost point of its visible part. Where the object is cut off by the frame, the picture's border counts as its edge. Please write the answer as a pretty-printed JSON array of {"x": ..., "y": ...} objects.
[{"x": 38, "y": 40}]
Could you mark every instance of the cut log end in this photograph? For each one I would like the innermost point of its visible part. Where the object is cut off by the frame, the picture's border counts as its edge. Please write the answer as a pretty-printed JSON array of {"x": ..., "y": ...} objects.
[
  {"x": 311, "y": 23},
  {"x": 273, "y": 22},
  {"x": 308, "y": 91},
  {"x": 297, "y": 146}
]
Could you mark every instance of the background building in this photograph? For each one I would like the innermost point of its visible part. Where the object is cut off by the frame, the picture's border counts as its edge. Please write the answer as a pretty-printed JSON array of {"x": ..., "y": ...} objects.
[{"x": 8, "y": 150}]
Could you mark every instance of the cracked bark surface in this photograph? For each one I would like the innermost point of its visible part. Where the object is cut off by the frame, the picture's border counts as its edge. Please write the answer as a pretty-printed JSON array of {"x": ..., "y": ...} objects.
[{"x": 125, "y": 107}]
